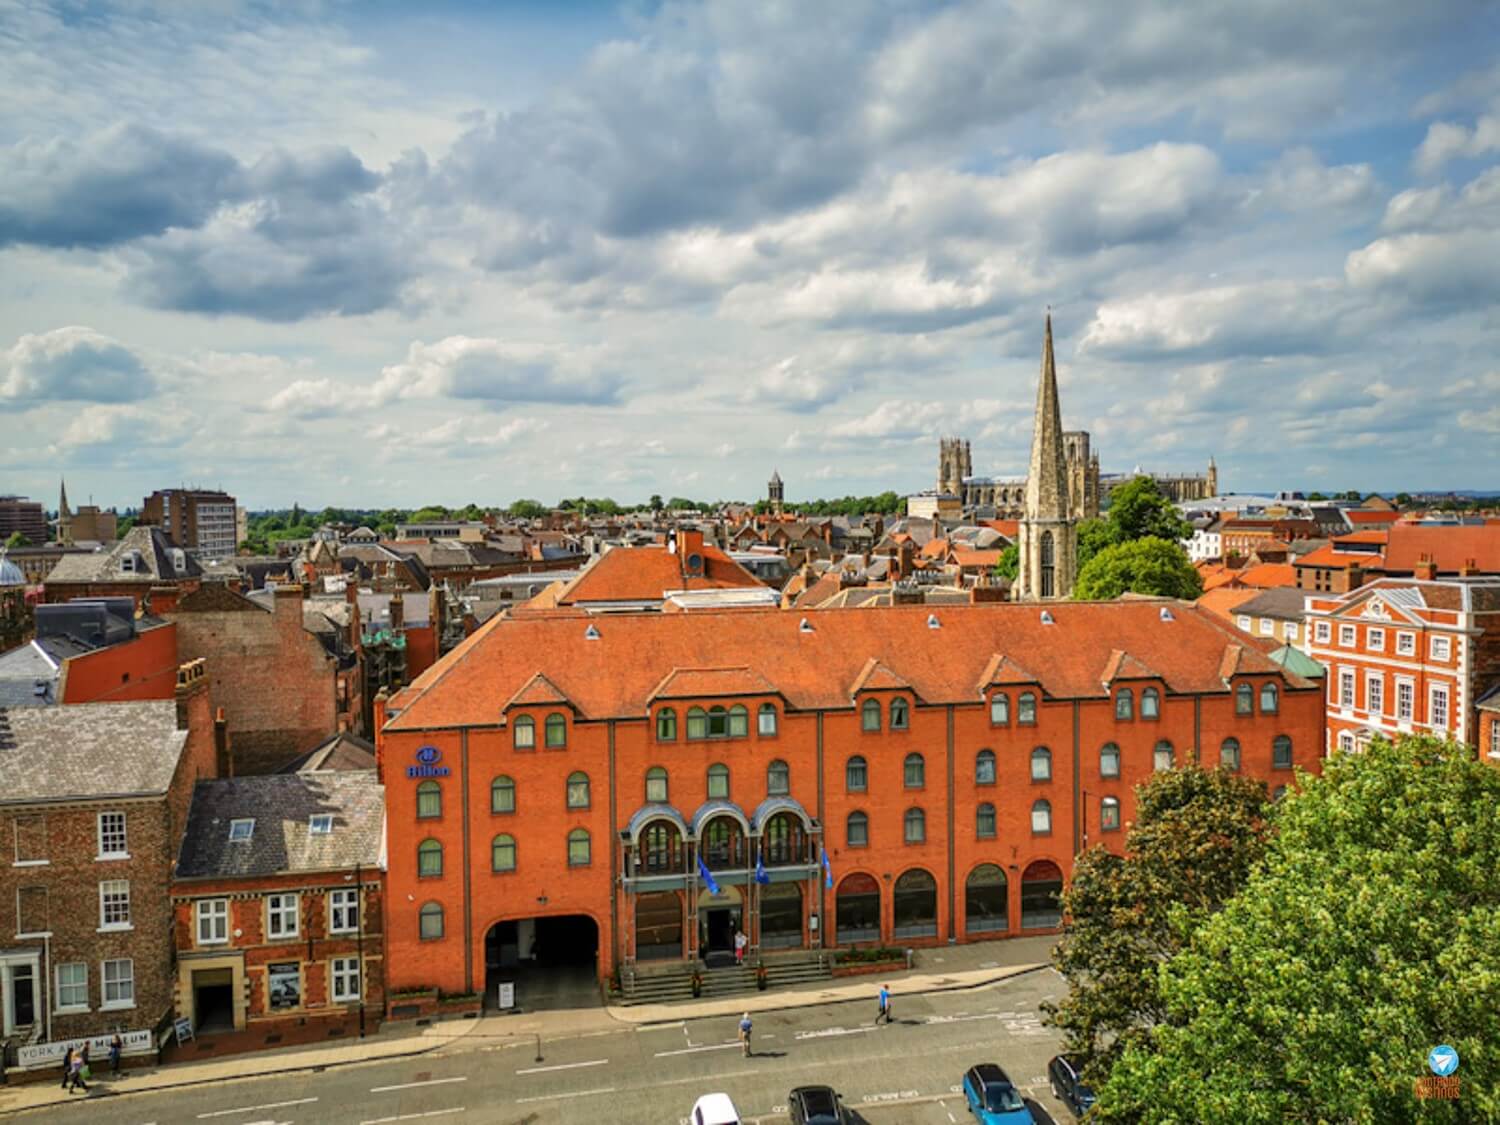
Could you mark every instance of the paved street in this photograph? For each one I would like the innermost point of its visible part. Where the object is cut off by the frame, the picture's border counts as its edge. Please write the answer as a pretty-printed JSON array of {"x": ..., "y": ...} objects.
[{"x": 905, "y": 1073}]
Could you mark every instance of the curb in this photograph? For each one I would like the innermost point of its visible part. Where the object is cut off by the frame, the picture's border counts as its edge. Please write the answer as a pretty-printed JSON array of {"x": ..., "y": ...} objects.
[{"x": 1021, "y": 971}]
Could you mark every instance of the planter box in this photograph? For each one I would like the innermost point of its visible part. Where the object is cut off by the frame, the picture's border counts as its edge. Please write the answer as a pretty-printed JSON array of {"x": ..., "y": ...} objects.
[
  {"x": 865, "y": 968},
  {"x": 412, "y": 1005}
]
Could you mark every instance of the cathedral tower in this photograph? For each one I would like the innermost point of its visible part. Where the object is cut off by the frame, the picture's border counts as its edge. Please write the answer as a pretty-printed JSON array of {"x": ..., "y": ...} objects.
[
  {"x": 954, "y": 464},
  {"x": 1048, "y": 541}
]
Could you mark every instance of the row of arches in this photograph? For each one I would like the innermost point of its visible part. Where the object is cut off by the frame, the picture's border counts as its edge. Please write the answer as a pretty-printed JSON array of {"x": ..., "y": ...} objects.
[
  {"x": 660, "y": 846},
  {"x": 914, "y": 909}
]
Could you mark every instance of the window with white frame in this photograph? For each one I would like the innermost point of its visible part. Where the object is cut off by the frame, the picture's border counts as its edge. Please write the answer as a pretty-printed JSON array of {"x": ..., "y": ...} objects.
[
  {"x": 1495, "y": 738},
  {"x": 1441, "y": 648},
  {"x": 73, "y": 987},
  {"x": 1291, "y": 630},
  {"x": 1346, "y": 636},
  {"x": 1244, "y": 622},
  {"x": 1346, "y": 741},
  {"x": 1405, "y": 696},
  {"x": 114, "y": 904},
  {"x": 241, "y": 829},
  {"x": 1437, "y": 705},
  {"x": 343, "y": 910},
  {"x": 1321, "y": 631},
  {"x": 281, "y": 916},
  {"x": 213, "y": 921},
  {"x": 1266, "y": 626},
  {"x": 1375, "y": 639},
  {"x": 112, "y": 836},
  {"x": 119, "y": 983},
  {"x": 1375, "y": 693},
  {"x": 1406, "y": 644},
  {"x": 1346, "y": 687},
  {"x": 345, "y": 979},
  {"x": 320, "y": 824}
]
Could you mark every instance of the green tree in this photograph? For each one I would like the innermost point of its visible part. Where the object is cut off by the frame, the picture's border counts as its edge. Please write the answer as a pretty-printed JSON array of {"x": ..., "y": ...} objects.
[
  {"x": 1139, "y": 508},
  {"x": 1352, "y": 496},
  {"x": 1369, "y": 934},
  {"x": 17, "y": 540},
  {"x": 1143, "y": 566},
  {"x": 1316, "y": 496},
  {"x": 655, "y": 502},
  {"x": 1093, "y": 536},
  {"x": 1196, "y": 836},
  {"x": 527, "y": 510},
  {"x": 1009, "y": 565},
  {"x": 1403, "y": 499}
]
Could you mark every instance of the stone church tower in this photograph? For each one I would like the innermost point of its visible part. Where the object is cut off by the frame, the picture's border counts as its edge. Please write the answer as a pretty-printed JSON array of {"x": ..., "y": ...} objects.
[
  {"x": 1048, "y": 541},
  {"x": 954, "y": 465},
  {"x": 775, "y": 493}
]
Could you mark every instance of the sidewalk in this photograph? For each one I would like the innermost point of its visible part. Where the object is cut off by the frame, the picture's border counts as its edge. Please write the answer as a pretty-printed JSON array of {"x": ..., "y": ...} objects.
[
  {"x": 387, "y": 1044},
  {"x": 938, "y": 969}
]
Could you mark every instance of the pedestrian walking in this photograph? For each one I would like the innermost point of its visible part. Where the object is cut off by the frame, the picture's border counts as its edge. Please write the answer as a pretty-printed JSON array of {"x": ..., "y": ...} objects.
[
  {"x": 884, "y": 1012},
  {"x": 740, "y": 942},
  {"x": 116, "y": 1046},
  {"x": 745, "y": 1034},
  {"x": 67, "y": 1067},
  {"x": 75, "y": 1076}
]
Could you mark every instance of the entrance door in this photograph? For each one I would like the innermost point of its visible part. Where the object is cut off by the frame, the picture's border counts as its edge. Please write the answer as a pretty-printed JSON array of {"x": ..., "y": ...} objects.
[
  {"x": 719, "y": 926},
  {"x": 23, "y": 996}
]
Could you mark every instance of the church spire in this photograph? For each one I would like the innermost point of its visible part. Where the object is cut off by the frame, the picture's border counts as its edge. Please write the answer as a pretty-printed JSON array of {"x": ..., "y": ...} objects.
[
  {"x": 62, "y": 503},
  {"x": 1047, "y": 482}
]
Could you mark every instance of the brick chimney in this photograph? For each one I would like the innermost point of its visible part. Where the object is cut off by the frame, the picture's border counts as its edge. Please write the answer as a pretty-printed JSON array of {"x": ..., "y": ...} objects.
[
  {"x": 288, "y": 602},
  {"x": 195, "y": 716},
  {"x": 906, "y": 593},
  {"x": 222, "y": 750},
  {"x": 398, "y": 612},
  {"x": 1469, "y": 569},
  {"x": 1426, "y": 569}
]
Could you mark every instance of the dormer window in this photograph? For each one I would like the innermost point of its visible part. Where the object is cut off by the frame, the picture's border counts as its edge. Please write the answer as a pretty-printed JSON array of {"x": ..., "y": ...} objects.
[{"x": 320, "y": 824}]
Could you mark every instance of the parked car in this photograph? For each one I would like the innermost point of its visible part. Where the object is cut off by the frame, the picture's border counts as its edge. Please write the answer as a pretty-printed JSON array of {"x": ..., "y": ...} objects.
[
  {"x": 715, "y": 1109},
  {"x": 1067, "y": 1087},
  {"x": 816, "y": 1105},
  {"x": 993, "y": 1098}
]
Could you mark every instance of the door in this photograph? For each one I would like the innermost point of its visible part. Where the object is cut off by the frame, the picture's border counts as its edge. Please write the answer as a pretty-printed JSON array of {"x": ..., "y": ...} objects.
[
  {"x": 721, "y": 930},
  {"x": 23, "y": 996}
]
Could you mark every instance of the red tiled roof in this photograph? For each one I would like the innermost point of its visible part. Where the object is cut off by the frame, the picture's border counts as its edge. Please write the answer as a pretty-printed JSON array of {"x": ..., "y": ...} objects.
[
  {"x": 1373, "y": 535},
  {"x": 1357, "y": 516},
  {"x": 537, "y": 692},
  {"x": 1003, "y": 670},
  {"x": 1265, "y": 575},
  {"x": 1011, "y": 529},
  {"x": 969, "y": 556},
  {"x": 629, "y": 574},
  {"x": 819, "y": 592},
  {"x": 1449, "y": 547},
  {"x": 1330, "y": 556},
  {"x": 698, "y": 683},
  {"x": 615, "y": 674},
  {"x": 1123, "y": 666},
  {"x": 875, "y": 676},
  {"x": 935, "y": 549}
]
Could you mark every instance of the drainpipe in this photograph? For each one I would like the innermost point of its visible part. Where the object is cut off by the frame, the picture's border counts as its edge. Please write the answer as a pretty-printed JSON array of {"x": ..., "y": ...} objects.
[{"x": 46, "y": 990}]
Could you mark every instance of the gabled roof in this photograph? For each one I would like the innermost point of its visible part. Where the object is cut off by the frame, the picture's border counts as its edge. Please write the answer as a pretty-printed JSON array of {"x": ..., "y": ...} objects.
[
  {"x": 538, "y": 691},
  {"x": 1004, "y": 670},
  {"x": 1449, "y": 547},
  {"x": 698, "y": 683},
  {"x": 1285, "y": 603},
  {"x": 344, "y": 751},
  {"x": 1231, "y": 661},
  {"x": 648, "y": 574},
  {"x": 1122, "y": 666},
  {"x": 146, "y": 550},
  {"x": 875, "y": 676}
]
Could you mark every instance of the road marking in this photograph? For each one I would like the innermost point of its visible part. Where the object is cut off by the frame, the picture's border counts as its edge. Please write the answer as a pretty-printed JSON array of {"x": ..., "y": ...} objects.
[
  {"x": 414, "y": 1085},
  {"x": 830, "y": 1032},
  {"x": 255, "y": 1108},
  {"x": 695, "y": 1050},
  {"x": 562, "y": 1066},
  {"x": 412, "y": 1116},
  {"x": 559, "y": 1097}
]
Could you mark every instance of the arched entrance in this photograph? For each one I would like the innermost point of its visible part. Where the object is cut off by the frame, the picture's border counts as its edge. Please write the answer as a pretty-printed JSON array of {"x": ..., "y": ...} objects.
[
  {"x": 658, "y": 925},
  {"x": 553, "y": 961},
  {"x": 986, "y": 901},
  {"x": 857, "y": 909},
  {"x": 916, "y": 904},
  {"x": 719, "y": 917},
  {"x": 781, "y": 916},
  {"x": 1041, "y": 890}
]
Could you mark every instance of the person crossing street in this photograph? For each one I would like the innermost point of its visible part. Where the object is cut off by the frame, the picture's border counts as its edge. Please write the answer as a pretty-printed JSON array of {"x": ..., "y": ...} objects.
[
  {"x": 884, "y": 1011},
  {"x": 745, "y": 1026}
]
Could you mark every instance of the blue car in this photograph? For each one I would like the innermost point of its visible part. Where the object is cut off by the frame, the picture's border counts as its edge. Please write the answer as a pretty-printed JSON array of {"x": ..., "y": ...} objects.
[{"x": 993, "y": 1098}]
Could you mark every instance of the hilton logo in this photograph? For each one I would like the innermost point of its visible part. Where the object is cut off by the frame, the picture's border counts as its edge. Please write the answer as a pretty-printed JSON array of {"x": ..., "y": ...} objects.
[{"x": 428, "y": 758}]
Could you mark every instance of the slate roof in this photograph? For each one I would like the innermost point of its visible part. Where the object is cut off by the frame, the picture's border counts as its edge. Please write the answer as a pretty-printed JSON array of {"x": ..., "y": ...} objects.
[
  {"x": 156, "y": 555},
  {"x": 281, "y": 805},
  {"x": 88, "y": 750},
  {"x": 344, "y": 751},
  {"x": 1285, "y": 603}
]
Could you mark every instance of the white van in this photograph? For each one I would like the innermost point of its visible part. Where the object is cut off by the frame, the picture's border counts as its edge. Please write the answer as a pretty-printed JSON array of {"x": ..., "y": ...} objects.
[{"x": 715, "y": 1109}]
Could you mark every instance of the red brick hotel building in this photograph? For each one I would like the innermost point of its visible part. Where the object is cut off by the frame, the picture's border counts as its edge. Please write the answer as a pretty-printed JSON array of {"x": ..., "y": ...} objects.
[{"x": 563, "y": 779}]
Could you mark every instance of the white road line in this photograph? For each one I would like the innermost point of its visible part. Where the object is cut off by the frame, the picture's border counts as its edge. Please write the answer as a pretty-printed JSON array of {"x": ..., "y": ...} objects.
[
  {"x": 414, "y": 1085},
  {"x": 254, "y": 1108},
  {"x": 695, "y": 1050},
  {"x": 412, "y": 1116},
  {"x": 559, "y": 1097},
  {"x": 831, "y": 1032},
  {"x": 562, "y": 1066}
]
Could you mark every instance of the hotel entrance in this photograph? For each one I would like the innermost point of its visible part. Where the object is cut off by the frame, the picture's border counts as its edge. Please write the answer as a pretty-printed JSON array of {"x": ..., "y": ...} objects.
[{"x": 719, "y": 916}]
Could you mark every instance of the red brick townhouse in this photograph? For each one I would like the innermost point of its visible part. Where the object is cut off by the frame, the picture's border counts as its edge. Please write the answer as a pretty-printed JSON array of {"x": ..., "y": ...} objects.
[
  {"x": 1407, "y": 656},
  {"x": 277, "y": 906},
  {"x": 559, "y": 785}
]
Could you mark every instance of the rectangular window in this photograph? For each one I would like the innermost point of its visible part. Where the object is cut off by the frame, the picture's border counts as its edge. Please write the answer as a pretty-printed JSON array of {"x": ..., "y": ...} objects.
[
  {"x": 112, "y": 836},
  {"x": 32, "y": 911},
  {"x": 73, "y": 987},
  {"x": 1266, "y": 626},
  {"x": 114, "y": 904},
  {"x": 1375, "y": 694},
  {"x": 345, "y": 979},
  {"x": 119, "y": 983},
  {"x": 1437, "y": 706},
  {"x": 31, "y": 839},
  {"x": 1346, "y": 636},
  {"x": 241, "y": 830},
  {"x": 281, "y": 916},
  {"x": 1346, "y": 688},
  {"x": 1406, "y": 644},
  {"x": 213, "y": 921},
  {"x": 1441, "y": 648},
  {"x": 1321, "y": 631},
  {"x": 1405, "y": 694},
  {"x": 320, "y": 824},
  {"x": 1244, "y": 622},
  {"x": 1375, "y": 638},
  {"x": 1291, "y": 630},
  {"x": 343, "y": 911}
]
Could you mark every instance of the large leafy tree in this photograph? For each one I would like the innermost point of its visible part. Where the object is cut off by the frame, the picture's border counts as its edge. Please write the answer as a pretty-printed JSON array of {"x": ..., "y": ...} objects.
[
  {"x": 1196, "y": 836},
  {"x": 1139, "y": 508},
  {"x": 1093, "y": 536},
  {"x": 1370, "y": 934},
  {"x": 1142, "y": 566},
  {"x": 1009, "y": 565}
]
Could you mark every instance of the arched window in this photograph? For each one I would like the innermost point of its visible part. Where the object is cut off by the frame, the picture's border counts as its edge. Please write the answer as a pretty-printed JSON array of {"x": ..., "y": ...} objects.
[
  {"x": 718, "y": 782},
  {"x": 429, "y": 859},
  {"x": 1041, "y": 894},
  {"x": 578, "y": 790},
  {"x": 1270, "y": 699},
  {"x": 856, "y": 775},
  {"x": 916, "y": 826},
  {"x": 578, "y": 848},
  {"x": 767, "y": 720},
  {"x": 857, "y": 830},
  {"x": 1161, "y": 757},
  {"x": 429, "y": 800},
  {"x": 739, "y": 721},
  {"x": 1109, "y": 814},
  {"x": 697, "y": 723},
  {"x": 661, "y": 848},
  {"x": 778, "y": 779},
  {"x": 503, "y": 853},
  {"x": 999, "y": 709},
  {"x": 900, "y": 714},
  {"x": 1041, "y": 818},
  {"x": 1124, "y": 704},
  {"x": 1041, "y": 764},
  {"x": 1109, "y": 760},
  {"x": 783, "y": 840},
  {"x": 915, "y": 904},
  {"x": 984, "y": 821},
  {"x": 722, "y": 844},
  {"x": 503, "y": 795},
  {"x": 1229, "y": 754},
  {"x": 985, "y": 908},
  {"x": 656, "y": 784},
  {"x": 869, "y": 715},
  {"x": 1150, "y": 703},
  {"x": 1281, "y": 752},
  {"x": 857, "y": 909},
  {"x": 1026, "y": 708},
  {"x": 430, "y": 921},
  {"x": 1244, "y": 700},
  {"x": 557, "y": 731},
  {"x": 1049, "y": 578},
  {"x": 915, "y": 771},
  {"x": 984, "y": 768},
  {"x": 523, "y": 733},
  {"x": 666, "y": 725}
]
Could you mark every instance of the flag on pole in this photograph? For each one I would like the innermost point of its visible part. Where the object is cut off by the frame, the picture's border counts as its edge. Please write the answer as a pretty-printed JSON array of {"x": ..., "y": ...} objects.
[
  {"x": 827, "y": 870},
  {"x": 713, "y": 888},
  {"x": 760, "y": 871}
]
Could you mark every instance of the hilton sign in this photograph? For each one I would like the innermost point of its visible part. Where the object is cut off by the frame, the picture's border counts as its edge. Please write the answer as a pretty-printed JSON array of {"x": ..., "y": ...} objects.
[{"x": 428, "y": 758}]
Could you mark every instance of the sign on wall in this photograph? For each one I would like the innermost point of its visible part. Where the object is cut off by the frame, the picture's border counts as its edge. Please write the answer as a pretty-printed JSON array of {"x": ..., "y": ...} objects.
[
  {"x": 284, "y": 984},
  {"x": 50, "y": 1054},
  {"x": 506, "y": 995},
  {"x": 428, "y": 758}
]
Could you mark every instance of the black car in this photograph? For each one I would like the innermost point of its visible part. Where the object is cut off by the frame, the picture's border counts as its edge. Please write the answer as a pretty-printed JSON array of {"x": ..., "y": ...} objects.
[
  {"x": 816, "y": 1105},
  {"x": 1067, "y": 1087}
]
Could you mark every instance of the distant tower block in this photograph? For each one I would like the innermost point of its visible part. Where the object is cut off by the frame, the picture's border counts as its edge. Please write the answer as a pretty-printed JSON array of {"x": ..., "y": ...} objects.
[{"x": 776, "y": 492}]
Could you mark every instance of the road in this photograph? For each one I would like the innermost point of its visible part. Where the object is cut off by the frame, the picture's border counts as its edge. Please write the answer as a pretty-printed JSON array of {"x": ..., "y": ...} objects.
[{"x": 903, "y": 1074}]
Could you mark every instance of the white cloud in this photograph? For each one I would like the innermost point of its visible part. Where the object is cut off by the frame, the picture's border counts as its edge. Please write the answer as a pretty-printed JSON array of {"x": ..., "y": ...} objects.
[
  {"x": 1447, "y": 141},
  {"x": 496, "y": 372},
  {"x": 73, "y": 364}
]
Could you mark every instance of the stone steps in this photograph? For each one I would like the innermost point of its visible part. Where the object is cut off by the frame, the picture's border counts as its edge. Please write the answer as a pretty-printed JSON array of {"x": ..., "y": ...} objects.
[{"x": 661, "y": 985}]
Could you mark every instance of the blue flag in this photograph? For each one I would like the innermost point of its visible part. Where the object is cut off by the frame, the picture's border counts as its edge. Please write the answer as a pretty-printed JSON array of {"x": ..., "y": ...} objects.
[
  {"x": 827, "y": 870},
  {"x": 713, "y": 888},
  {"x": 760, "y": 871}
]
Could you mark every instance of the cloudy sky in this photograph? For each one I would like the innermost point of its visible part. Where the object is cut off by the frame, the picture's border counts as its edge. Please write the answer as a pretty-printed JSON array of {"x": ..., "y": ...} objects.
[{"x": 392, "y": 253}]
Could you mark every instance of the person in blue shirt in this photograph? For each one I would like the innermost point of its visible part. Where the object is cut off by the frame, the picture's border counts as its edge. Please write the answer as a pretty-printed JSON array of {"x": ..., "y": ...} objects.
[
  {"x": 745, "y": 1034},
  {"x": 885, "y": 1004}
]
